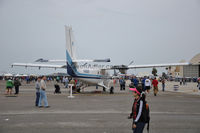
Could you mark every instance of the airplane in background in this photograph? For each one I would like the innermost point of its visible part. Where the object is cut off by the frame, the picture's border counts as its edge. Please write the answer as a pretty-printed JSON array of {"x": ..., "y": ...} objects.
[{"x": 89, "y": 76}]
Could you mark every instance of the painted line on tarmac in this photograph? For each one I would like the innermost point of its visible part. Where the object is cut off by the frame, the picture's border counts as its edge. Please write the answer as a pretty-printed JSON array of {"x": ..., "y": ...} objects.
[
  {"x": 80, "y": 94},
  {"x": 175, "y": 113},
  {"x": 86, "y": 112}
]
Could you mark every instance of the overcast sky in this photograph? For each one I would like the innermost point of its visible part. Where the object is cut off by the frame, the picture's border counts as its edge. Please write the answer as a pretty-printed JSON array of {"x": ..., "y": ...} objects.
[{"x": 146, "y": 31}]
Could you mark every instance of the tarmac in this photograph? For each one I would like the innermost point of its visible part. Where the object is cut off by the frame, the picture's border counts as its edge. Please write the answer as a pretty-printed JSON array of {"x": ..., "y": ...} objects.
[{"x": 96, "y": 112}]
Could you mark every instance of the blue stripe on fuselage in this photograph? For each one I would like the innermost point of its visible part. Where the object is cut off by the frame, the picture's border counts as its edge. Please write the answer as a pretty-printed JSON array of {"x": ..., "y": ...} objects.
[{"x": 72, "y": 71}]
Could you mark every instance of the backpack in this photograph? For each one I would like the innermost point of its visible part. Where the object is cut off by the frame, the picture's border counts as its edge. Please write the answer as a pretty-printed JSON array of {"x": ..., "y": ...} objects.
[{"x": 146, "y": 115}]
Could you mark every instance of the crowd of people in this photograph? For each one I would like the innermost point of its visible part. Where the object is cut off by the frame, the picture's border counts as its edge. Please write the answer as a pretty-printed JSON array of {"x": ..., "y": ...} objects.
[
  {"x": 15, "y": 82},
  {"x": 146, "y": 83}
]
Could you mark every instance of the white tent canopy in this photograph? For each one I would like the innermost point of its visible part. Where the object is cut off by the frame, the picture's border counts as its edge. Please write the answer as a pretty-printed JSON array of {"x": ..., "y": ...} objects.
[
  {"x": 18, "y": 75},
  {"x": 7, "y": 75}
]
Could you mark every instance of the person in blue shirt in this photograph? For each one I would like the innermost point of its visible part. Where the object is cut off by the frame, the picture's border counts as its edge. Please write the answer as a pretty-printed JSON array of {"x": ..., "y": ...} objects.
[
  {"x": 121, "y": 82},
  {"x": 135, "y": 81},
  {"x": 143, "y": 83}
]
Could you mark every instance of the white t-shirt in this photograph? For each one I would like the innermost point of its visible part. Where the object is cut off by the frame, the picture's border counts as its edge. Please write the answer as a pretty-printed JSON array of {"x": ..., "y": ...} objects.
[
  {"x": 147, "y": 82},
  {"x": 43, "y": 84}
]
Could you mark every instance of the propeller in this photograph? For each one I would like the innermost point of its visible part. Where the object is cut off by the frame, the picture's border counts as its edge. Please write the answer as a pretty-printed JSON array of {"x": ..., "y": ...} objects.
[{"x": 122, "y": 68}]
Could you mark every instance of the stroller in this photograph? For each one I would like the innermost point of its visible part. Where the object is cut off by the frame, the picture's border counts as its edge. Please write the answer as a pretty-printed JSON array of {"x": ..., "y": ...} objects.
[{"x": 57, "y": 88}]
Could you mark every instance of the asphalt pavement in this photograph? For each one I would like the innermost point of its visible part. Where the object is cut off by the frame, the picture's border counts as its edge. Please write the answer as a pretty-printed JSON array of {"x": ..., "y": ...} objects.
[{"x": 171, "y": 112}]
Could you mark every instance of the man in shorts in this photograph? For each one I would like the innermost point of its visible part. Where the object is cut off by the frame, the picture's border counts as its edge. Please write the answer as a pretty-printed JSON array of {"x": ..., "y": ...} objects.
[
  {"x": 147, "y": 84},
  {"x": 9, "y": 86}
]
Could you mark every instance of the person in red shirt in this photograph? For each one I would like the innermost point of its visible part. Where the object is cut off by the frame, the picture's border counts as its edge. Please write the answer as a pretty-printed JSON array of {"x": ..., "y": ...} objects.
[{"x": 155, "y": 86}]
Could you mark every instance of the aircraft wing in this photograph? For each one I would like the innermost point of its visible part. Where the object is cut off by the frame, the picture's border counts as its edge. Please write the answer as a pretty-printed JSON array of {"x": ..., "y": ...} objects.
[
  {"x": 158, "y": 65},
  {"x": 146, "y": 66},
  {"x": 38, "y": 65}
]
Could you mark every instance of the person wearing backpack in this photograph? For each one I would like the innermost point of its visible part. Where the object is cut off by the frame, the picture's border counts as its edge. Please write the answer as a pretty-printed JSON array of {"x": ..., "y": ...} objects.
[{"x": 140, "y": 111}]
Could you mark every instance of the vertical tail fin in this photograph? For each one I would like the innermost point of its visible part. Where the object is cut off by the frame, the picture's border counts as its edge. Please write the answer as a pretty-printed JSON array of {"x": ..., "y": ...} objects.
[
  {"x": 70, "y": 51},
  {"x": 70, "y": 47}
]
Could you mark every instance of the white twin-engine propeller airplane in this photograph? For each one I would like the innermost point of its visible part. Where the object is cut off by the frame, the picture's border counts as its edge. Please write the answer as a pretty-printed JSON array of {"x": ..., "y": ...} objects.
[{"x": 90, "y": 76}]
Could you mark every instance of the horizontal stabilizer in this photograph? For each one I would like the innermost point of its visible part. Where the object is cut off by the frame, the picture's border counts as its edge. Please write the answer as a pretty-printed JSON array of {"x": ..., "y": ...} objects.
[
  {"x": 82, "y": 60},
  {"x": 41, "y": 60},
  {"x": 102, "y": 60},
  {"x": 46, "y": 60},
  {"x": 95, "y": 60}
]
